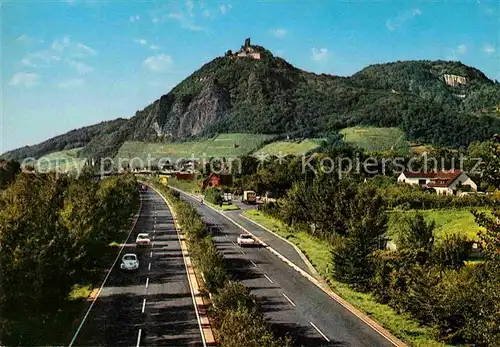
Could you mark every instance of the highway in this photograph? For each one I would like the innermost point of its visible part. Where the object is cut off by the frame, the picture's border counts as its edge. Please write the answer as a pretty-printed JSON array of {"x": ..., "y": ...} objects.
[
  {"x": 294, "y": 305},
  {"x": 152, "y": 306}
]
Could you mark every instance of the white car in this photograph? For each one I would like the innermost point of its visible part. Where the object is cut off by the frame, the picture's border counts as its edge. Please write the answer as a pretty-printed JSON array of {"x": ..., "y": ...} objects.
[
  {"x": 246, "y": 240},
  {"x": 129, "y": 262},
  {"x": 143, "y": 239}
]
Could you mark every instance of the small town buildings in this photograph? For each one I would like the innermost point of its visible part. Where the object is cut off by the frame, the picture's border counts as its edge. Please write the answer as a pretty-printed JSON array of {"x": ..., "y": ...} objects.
[
  {"x": 448, "y": 182},
  {"x": 216, "y": 180}
]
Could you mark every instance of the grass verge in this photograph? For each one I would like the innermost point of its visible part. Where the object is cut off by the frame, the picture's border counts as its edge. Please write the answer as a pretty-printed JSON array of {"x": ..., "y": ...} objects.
[
  {"x": 225, "y": 206},
  {"x": 319, "y": 254}
]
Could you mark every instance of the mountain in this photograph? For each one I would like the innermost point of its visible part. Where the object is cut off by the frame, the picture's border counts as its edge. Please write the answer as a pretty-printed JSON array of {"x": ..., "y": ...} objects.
[
  {"x": 73, "y": 139},
  {"x": 250, "y": 90}
]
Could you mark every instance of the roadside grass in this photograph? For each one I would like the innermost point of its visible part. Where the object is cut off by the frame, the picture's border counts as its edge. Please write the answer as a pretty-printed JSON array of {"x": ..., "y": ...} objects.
[
  {"x": 290, "y": 147},
  {"x": 319, "y": 254},
  {"x": 58, "y": 327},
  {"x": 225, "y": 206},
  {"x": 448, "y": 221},
  {"x": 193, "y": 186},
  {"x": 376, "y": 139}
]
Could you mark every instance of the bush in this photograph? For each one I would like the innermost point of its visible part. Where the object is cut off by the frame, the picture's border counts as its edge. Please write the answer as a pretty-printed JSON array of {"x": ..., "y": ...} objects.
[
  {"x": 214, "y": 196},
  {"x": 452, "y": 252}
]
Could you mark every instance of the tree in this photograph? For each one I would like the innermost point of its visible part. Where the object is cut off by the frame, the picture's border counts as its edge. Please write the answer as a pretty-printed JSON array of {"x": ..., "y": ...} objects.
[{"x": 417, "y": 234}]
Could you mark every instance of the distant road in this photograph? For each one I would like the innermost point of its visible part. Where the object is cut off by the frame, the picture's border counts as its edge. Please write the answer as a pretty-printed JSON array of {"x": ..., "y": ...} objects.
[
  {"x": 294, "y": 304},
  {"x": 150, "y": 307}
]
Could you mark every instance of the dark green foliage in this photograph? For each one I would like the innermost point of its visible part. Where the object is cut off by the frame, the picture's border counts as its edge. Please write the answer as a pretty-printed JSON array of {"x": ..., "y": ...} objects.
[
  {"x": 8, "y": 172},
  {"x": 417, "y": 234},
  {"x": 452, "y": 251},
  {"x": 54, "y": 233},
  {"x": 213, "y": 195}
]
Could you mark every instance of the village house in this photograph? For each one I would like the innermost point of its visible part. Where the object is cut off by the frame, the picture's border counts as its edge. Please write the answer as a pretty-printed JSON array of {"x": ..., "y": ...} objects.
[
  {"x": 451, "y": 182},
  {"x": 216, "y": 180}
]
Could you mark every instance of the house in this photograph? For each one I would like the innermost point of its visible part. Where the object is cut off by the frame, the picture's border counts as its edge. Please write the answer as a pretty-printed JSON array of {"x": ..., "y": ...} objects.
[
  {"x": 443, "y": 182},
  {"x": 185, "y": 176},
  {"x": 216, "y": 180}
]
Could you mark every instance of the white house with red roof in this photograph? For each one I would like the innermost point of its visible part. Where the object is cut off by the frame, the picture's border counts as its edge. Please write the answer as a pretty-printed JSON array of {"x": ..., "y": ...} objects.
[{"x": 443, "y": 182}]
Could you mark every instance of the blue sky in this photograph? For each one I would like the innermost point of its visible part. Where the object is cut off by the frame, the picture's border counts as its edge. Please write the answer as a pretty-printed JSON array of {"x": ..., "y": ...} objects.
[{"x": 67, "y": 64}]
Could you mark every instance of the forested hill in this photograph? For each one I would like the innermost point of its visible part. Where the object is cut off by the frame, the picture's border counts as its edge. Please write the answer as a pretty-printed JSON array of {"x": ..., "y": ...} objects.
[
  {"x": 73, "y": 139},
  {"x": 438, "y": 102}
]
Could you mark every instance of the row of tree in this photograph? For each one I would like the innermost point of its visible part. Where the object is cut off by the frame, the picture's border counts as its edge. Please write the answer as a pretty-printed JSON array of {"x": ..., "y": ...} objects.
[
  {"x": 54, "y": 232},
  {"x": 424, "y": 278},
  {"x": 237, "y": 314}
]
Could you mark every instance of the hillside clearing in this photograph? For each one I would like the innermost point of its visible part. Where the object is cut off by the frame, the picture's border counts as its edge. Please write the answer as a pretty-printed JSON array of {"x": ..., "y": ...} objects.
[
  {"x": 290, "y": 147},
  {"x": 222, "y": 146},
  {"x": 376, "y": 139}
]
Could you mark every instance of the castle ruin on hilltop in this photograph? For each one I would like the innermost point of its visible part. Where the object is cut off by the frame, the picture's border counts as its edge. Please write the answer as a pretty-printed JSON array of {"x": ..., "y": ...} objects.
[
  {"x": 246, "y": 51},
  {"x": 454, "y": 80}
]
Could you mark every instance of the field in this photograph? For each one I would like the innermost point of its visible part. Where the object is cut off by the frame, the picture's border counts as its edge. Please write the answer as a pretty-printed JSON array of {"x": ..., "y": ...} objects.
[
  {"x": 319, "y": 254},
  {"x": 376, "y": 139},
  {"x": 223, "y": 145},
  {"x": 448, "y": 221},
  {"x": 290, "y": 147},
  {"x": 64, "y": 160}
]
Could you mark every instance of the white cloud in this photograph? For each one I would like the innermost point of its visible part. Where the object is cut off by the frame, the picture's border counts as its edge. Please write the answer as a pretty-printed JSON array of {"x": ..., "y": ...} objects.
[
  {"x": 23, "y": 38},
  {"x": 76, "y": 49},
  {"x": 141, "y": 41},
  {"x": 40, "y": 59},
  {"x": 154, "y": 47},
  {"x": 80, "y": 67},
  {"x": 461, "y": 49},
  {"x": 225, "y": 8},
  {"x": 279, "y": 32},
  {"x": 488, "y": 49},
  {"x": 319, "y": 54},
  {"x": 394, "y": 23},
  {"x": 159, "y": 63},
  {"x": 26, "y": 79},
  {"x": 70, "y": 84},
  {"x": 134, "y": 19}
]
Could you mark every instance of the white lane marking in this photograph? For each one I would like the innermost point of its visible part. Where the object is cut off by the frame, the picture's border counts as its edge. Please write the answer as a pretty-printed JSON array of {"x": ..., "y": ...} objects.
[
  {"x": 233, "y": 243},
  {"x": 225, "y": 235},
  {"x": 143, "y": 305},
  {"x": 149, "y": 267},
  {"x": 319, "y": 331},
  {"x": 242, "y": 252},
  {"x": 147, "y": 282},
  {"x": 268, "y": 278},
  {"x": 139, "y": 338},
  {"x": 106, "y": 278},
  {"x": 253, "y": 263},
  {"x": 289, "y": 300},
  {"x": 151, "y": 255}
]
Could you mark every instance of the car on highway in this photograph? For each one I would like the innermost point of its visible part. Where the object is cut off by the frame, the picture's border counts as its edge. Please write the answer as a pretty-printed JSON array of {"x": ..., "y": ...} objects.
[
  {"x": 144, "y": 188},
  {"x": 143, "y": 239},
  {"x": 129, "y": 262},
  {"x": 246, "y": 240}
]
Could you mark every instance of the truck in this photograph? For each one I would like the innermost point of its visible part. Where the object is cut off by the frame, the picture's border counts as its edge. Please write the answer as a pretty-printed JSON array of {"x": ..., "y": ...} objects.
[{"x": 249, "y": 197}]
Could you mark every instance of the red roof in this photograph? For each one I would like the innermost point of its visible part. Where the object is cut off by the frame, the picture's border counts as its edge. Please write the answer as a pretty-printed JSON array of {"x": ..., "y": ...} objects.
[{"x": 438, "y": 178}]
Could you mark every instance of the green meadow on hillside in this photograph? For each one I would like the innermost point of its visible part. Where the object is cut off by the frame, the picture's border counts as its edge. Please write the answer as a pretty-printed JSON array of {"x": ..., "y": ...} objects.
[
  {"x": 448, "y": 221},
  {"x": 376, "y": 139},
  {"x": 223, "y": 145},
  {"x": 290, "y": 147},
  {"x": 64, "y": 160}
]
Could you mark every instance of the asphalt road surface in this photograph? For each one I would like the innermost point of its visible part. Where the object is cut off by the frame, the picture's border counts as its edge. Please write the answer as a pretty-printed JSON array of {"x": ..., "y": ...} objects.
[
  {"x": 152, "y": 306},
  {"x": 294, "y": 305}
]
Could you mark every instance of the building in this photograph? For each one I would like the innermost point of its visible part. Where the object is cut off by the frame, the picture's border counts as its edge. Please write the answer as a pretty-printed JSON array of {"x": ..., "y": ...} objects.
[
  {"x": 216, "y": 180},
  {"x": 443, "y": 182},
  {"x": 185, "y": 176}
]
